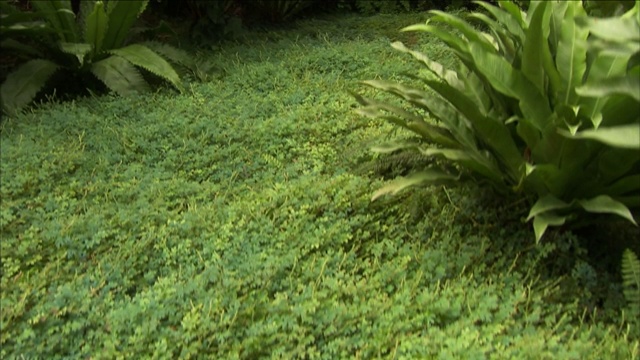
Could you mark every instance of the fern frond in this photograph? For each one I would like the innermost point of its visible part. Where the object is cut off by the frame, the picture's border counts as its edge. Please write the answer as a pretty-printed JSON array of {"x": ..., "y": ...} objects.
[
  {"x": 147, "y": 59},
  {"x": 119, "y": 75},
  {"x": 631, "y": 281}
]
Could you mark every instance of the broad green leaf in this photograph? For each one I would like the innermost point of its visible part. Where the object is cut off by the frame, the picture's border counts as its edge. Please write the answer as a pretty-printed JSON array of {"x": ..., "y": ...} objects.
[
  {"x": 472, "y": 34},
  {"x": 511, "y": 23},
  {"x": 558, "y": 11},
  {"x": 623, "y": 136},
  {"x": 59, "y": 14},
  {"x": 473, "y": 162},
  {"x": 614, "y": 29},
  {"x": 605, "y": 204},
  {"x": 532, "y": 56},
  {"x": 460, "y": 47},
  {"x": 119, "y": 75},
  {"x": 506, "y": 41},
  {"x": 543, "y": 221},
  {"x": 571, "y": 55},
  {"x": 451, "y": 77},
  {"x": 507, "y": 80},
  {"x": 627, "y": 184},
  {"x": 12, "y": 44},
  {"x": 122, "y": 15},
  {"x": 432, "y": 133},
  {"x": 426, "y": 176},
  {"x": 528, "y": 133},
  {"x": 96, "y": 27},
  {"x": 614, "y": 162},
  {"x": 394, "y": 146},
  {"x": 604, "y": 66},
  {"x": 145, "y": 58},
  {"x": 625, "y": 85},
  {"x": 514, "y": 11},
  {"x": 23, "y": 84},
  {"x": 437, "y": 107},
  {"x": 546, "y": 204}
]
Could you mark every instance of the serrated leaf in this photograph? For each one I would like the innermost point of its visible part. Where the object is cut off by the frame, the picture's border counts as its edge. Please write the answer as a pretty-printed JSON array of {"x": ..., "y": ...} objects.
[
  {"x": 122, "y": 15},
  {"x": 96, "y": 27},
  {"x": 397, "y": 185},
  {"x": 145, "y": 58},
  {"x": 22, "y": 85},
  {"x": 119, "y": 75}
]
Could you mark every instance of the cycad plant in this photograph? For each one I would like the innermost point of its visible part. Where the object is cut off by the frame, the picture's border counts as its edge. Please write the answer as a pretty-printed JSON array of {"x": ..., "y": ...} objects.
[
  {"x": 94, "y": 41},
  {"x": 544, "y": 104}
]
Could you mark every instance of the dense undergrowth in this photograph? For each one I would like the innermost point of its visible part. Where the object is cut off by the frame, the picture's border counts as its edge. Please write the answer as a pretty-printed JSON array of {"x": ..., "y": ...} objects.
[{"x": 228, "y": 222}]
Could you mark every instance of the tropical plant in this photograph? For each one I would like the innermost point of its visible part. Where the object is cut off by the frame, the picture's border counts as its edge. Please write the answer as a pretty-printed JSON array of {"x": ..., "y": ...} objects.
[
  {"x": 544, "y": 105},
  {"x": 93, "y": 41}
]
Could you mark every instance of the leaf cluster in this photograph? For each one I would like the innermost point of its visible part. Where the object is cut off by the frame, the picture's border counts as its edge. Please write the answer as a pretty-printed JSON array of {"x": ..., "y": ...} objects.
[
  {"x": 93, "y": 42},
  {"x": 536, "y": 107}
]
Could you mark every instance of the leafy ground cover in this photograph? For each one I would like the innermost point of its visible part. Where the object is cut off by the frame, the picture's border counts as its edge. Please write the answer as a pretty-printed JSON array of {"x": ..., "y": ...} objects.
[{"x": 234, "y": 221}]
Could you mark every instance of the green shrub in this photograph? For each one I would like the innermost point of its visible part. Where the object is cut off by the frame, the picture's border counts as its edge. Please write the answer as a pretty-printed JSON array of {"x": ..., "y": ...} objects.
[
  {"x": 91, "y": 43},
  {"x": 544, "y": 105}
]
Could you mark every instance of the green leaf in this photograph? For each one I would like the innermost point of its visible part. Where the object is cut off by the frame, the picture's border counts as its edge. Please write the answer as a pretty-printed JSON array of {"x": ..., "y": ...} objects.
[
  {"x": 471, "y": 161},
  {"x": 614, "y": 29},
  {"x": 394, "y": 146},
  {"x": 22, "y": 85},
  {"x": 119, "y": 75},
  {"x": 543, "y": 221},
  {"x": 604, "y": 66},
  {"x": 122, "y": 15},
  {"x": 625, "y": 185},
  {"x": 59, "y": 14},
  {"x": 605, "y": 204},
  {"x": 571, "y": 56},
  {"x": 507, "y": 80},
  {"x": 623, "y": 136},
  {"x": 532, "y": 56},
  {"x": 545, "y": 204},
  {"x": 145, "y": 58},
  {"x": 467, "y": 30},
  {"x": 624, "y": 85},
  {"x": 511, "y": 23},
  {"x": 96, "y": 27},
  {"x": 428, "y": 175},
  {"x": 460, "y": 47}
]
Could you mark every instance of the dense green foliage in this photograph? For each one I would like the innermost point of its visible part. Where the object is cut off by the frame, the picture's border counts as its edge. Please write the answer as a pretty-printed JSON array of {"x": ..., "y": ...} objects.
[
  {"x": 631, "y": 283},
  {"x": 85, "y": 47},
  {"x": 225, "y": 222},
  {"x": 539, "y": 106}
]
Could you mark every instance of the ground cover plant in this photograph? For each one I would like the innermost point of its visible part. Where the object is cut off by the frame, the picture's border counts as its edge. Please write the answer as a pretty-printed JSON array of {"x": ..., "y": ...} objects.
[{"x": 234, "y": 221}]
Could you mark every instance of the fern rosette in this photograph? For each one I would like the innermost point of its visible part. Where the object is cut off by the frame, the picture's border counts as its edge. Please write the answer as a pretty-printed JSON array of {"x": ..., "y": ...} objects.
[{"x": 544, "y": 104}]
